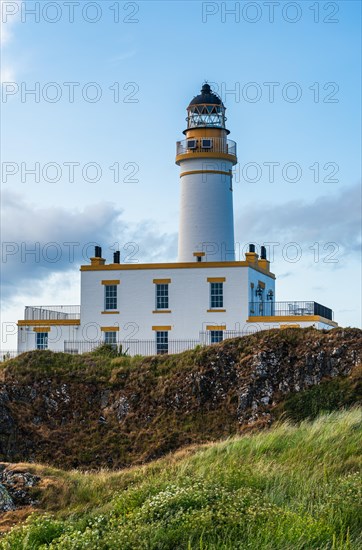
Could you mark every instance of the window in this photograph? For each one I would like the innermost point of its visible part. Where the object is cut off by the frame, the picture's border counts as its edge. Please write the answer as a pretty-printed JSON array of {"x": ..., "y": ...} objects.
[
  {"x": 161, "y": 342},
  {"x": 216, "y": 295},
  {"x": 216, "y": 336},
  {"x": 110, "y": 297},
  {"x": 161, "y": 296},
  {"x": 41, "y": 340},
  {"x": 110, "y": 337}
]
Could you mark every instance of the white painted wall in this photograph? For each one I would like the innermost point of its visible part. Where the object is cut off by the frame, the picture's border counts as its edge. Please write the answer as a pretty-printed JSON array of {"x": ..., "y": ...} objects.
[
  {"x": 206, "y": 211},
  {"x": 189, "y": 300},
  {"x": 56, "y": 337}
]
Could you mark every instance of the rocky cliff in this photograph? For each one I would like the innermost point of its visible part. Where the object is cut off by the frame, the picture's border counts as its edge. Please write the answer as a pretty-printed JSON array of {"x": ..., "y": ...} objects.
[{"x": 94, "y": 410}]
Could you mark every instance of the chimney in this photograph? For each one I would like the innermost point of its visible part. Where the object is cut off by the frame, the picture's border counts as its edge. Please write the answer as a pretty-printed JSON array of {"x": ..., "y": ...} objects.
[
  {"x": 251, "y": 257},
  {"x": 97, "y": 259},
  {"x": 263, "y": 262},
  {"x": 117, "y": 257}
]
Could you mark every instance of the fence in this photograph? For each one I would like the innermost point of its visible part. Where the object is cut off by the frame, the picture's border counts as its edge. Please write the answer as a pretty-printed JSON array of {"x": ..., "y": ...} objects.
[
  {"x": 43, "y": 313},
  {"x": 270, "y": 308}
]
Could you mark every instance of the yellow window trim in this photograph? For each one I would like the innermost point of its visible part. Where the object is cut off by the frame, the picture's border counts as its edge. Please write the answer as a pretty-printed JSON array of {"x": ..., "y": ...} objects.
[
  {"x": 161, "y": 281},
  {"x": 109, "y": 329},
  {"x": 282, "y": 327},
  {"x": 41, "y": 329},
  {"x": 216, "y": 310},
  {"x": 110, "y": 312},
  {"x": 162, "y": 311},
  {"x": 111, "y": 282},
  {"x": 216, "y": 279},
  {"x": 215, "y": 327},
  {"x": 261, "y": 284},
  {"x": 162, "y": 328},
  {"x": 199, "y": 254}
]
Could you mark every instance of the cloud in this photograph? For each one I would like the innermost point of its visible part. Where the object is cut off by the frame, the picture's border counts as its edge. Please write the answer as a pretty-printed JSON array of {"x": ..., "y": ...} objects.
[
  {"x": 39, "y": 242},
  {"x": 330, "y": 218},
  {"x": 9, "y": 17}
]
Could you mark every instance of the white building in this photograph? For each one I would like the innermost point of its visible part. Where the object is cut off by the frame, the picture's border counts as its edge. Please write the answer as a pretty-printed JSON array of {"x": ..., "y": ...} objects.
[{"x": 204, "y": 297}]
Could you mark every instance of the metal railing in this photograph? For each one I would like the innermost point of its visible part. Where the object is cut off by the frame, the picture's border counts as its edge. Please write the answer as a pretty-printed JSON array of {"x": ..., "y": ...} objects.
[
  {"x": 132, "y": 347},
  {"x": 271, "y": 309},
  {"x": 218, "y": 145},
  {"x": 35, "y": 313}
]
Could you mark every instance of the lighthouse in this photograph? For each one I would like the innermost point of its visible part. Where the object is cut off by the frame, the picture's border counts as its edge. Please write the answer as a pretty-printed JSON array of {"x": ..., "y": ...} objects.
[
  {"x": 206, "y": 158},
  {"x": 204, "y": 297}
]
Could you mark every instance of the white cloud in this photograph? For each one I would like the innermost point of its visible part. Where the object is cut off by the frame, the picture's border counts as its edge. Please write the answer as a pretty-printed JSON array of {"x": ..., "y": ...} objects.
[
  {"x": 40, "y": 242},
  {"x": 7, "y": 22},
  {"x": 330, "y": 218}
]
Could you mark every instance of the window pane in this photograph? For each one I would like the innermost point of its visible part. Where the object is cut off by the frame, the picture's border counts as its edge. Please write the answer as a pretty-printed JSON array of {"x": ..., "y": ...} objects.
[
  {"x": 161, "y": 342},
  {"x": 162, "y": 296},
  {"x": 41, "y": 340},
  {"x": 110, "y": 297},
  {"x": 216, "y": 336},
  {"x": 216, "y": 295},
  {"x": 110, "y": 337}
]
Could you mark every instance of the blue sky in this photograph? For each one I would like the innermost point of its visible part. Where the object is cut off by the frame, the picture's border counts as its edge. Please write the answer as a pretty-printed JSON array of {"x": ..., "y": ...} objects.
[{"x": 159, "y": 54}]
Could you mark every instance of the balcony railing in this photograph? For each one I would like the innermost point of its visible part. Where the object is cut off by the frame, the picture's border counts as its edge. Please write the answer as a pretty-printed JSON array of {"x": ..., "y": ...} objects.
[
  {"x": 43, "y": 313},
  {"x": 218, "y": 145},
  {"x": 270, "y": 308}
]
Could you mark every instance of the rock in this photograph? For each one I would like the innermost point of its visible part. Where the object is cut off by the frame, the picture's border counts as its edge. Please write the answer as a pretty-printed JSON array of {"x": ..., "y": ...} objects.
[
  {"x": 16, "y": 485},
  {"x": 6, "y": 502}
]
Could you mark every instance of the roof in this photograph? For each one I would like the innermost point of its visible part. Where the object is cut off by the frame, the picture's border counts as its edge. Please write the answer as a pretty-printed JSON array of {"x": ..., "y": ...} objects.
[{"x": 206, "y": 96}]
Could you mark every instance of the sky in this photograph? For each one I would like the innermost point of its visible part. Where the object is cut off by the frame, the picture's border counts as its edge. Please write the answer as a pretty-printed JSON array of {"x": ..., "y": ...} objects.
[{"x": 94, "y": 97}]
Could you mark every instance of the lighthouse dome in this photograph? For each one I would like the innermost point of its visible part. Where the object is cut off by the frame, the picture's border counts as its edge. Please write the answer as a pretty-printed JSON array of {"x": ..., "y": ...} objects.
[{"x": 206, "y": 96}]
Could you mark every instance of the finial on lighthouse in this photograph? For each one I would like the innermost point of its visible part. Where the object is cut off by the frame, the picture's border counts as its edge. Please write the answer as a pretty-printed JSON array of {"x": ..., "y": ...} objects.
[{"x": 205, "y": 88}]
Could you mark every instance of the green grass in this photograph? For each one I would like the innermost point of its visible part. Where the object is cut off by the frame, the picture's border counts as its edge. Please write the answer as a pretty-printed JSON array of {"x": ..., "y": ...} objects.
[{"x": 292, "y": 487}]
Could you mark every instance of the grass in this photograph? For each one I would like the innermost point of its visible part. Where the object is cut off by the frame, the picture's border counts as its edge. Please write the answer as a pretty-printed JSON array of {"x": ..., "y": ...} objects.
[{"x": 292, "y": 487}]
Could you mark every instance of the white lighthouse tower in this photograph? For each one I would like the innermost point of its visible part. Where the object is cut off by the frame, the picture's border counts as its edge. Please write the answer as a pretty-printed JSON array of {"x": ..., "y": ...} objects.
[{"x": 206, "y": 158}]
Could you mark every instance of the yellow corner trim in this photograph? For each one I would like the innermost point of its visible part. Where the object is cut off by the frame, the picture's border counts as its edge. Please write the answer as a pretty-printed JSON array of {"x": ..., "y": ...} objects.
[
  {"x": 199, "y": 254},
  {"x": 175, "y": 265},
  {"x": 111, "y": 282},
  {"x": 111, "y": 312},
  {"x": 161, "y": 281},
  {"x": 223, "y": 172},
  {"x": 215, "y": 327},
  {"x": 51, "y": 322},
  {"x": 162, "y": 311},
  {"x": 295, "y": 318},
  {"x": 109, "y": 329},
  {"x": 261, "y": 284},
  {"x": 216, "y": 310},
  {"x": 216, "y": 279},
  {"x": 41, "y": 329},
  {"x": 162, "y": 328}
]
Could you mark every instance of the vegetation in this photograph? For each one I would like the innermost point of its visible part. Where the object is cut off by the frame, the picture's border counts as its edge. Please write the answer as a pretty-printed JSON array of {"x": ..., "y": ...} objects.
[{"x": 292, "y": 487}]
